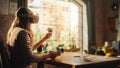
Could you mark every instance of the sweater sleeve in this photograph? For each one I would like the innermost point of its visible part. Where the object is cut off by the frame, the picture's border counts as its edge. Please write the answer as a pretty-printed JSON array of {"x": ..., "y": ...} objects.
[{"x": 25, "y": 42}]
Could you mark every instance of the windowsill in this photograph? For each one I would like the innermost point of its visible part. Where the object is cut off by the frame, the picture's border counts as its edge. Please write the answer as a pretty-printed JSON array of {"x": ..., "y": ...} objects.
[{"x": 72, "y": 50}]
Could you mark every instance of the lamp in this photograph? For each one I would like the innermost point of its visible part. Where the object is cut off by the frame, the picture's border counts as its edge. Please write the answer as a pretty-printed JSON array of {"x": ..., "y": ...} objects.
[{"x": 115, "y": 6}]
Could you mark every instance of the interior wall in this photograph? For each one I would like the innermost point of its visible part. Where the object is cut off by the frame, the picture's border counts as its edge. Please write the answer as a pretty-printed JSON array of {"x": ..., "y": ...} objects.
[
  {"x": 103, "y": 12},
  {"x": 7, "y": 16},
  {"x": 100, "y": 30}
]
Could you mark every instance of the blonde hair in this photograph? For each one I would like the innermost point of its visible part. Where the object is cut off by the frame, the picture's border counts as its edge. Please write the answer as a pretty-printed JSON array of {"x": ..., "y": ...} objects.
[
  {"x": 11, "y": 28},
  {"x": 20, "y": 21}
]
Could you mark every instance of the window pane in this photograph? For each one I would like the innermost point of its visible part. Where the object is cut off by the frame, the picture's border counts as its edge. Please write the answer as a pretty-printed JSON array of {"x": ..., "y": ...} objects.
[{"x": 61, "y": 16}]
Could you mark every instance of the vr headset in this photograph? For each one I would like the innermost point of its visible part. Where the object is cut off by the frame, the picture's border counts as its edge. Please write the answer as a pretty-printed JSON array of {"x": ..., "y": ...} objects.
[{"x": 25, "y": 12}]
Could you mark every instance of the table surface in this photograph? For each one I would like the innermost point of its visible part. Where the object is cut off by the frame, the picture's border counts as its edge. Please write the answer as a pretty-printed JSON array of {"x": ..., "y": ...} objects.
[{"x": 76, "y": 59}]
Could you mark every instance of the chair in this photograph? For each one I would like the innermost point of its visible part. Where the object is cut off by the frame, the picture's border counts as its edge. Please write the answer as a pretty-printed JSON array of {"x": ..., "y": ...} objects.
[
  {"x": 117, "y": 66},
  {"x": 4, "y": 56},
  {"x": 116, "y": 46}
]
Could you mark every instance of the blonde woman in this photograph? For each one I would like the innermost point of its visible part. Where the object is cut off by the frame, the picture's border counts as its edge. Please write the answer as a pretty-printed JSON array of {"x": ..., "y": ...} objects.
[{"x": 20, "y": 40}]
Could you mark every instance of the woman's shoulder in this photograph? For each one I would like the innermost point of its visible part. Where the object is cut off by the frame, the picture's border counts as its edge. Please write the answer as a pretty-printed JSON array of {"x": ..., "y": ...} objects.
[
  {"x": 23, "y": 33},
  {"x": 19, "y": 30}
]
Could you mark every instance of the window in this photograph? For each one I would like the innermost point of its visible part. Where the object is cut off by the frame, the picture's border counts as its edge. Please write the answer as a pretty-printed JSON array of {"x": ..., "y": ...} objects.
[{"x": 64, "y": 17}]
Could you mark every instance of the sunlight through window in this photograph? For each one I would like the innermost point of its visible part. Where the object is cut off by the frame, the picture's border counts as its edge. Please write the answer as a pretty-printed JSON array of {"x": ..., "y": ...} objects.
[{"x": 62, "y": 17}]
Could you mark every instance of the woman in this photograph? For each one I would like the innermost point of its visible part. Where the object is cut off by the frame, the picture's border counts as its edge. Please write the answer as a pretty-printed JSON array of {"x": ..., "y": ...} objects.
[{"x": 20, "y": 40}]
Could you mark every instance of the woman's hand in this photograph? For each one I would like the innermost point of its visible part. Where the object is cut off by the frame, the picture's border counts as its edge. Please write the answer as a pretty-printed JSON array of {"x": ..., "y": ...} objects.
[
  {"x": 48, "y": 35},
  {"x": 53, "y": 54}
]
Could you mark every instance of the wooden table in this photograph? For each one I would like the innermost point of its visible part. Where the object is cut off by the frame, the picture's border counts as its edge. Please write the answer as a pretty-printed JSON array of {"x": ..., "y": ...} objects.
[{"x": 76, "y": 60}]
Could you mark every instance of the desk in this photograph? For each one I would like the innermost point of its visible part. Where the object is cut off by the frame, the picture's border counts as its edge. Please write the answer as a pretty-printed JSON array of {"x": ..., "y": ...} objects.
[{"x": 75, "y": 60}]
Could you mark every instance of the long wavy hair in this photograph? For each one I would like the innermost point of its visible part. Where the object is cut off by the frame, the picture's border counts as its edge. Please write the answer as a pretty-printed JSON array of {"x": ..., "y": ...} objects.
[{"x": 22, "y": 20}]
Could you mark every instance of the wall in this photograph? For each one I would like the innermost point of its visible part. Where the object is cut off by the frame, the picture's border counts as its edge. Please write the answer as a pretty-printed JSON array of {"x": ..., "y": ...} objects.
[
  {"x": 6, "y": 20},
  {"x": 103, "y": 13}
]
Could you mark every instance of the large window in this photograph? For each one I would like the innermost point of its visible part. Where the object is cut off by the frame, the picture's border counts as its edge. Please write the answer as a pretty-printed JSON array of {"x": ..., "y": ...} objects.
[{"x": 63, "y": 17}]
